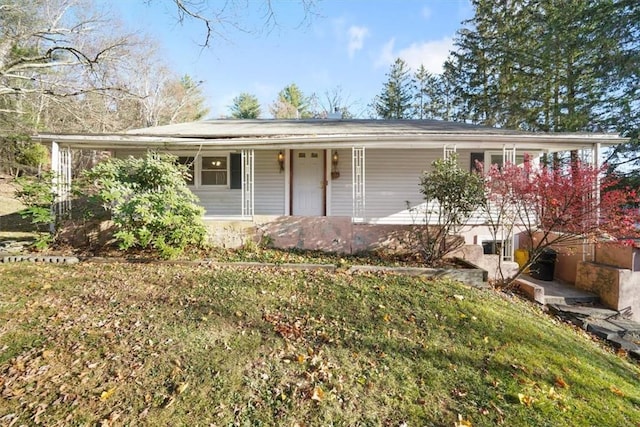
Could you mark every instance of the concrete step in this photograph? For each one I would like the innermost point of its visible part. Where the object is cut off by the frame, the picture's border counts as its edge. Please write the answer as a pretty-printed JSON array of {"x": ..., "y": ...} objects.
[{"x": 553, "y": 292}]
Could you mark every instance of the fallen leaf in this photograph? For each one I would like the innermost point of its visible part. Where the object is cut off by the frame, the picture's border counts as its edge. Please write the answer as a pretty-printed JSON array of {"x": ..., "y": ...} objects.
[
  {"x": 182, "y": 387},
  {"x": 318, "y": 394},
  {"x": 561, "y": 383},
  {"x": 107, "y": 394},
  {"x": 458, "y": 392},
  {"x": 387, "y": 317},
  {"x": 553, "y": 394},
  {"x": 615, "y": 390},
  {"x": 462, "y": 422},
  {"x": 525, "y": 400}
]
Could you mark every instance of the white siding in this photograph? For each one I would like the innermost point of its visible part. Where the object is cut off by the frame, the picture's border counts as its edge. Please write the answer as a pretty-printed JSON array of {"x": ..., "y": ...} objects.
[
  {"x": 269, "y": 184},
  {"x": 392, "y": 180},
  {"x": 222, "y": 201},
  {"x": 341, "y": 191},
  {"x": 219, "y": 201}
]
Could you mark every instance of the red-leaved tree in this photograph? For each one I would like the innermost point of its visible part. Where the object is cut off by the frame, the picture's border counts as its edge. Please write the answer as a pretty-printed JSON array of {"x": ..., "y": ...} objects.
[{"x": 558, "y": 205}]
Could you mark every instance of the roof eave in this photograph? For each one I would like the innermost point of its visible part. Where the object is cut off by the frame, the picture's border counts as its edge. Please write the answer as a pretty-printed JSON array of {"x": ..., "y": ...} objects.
[{"x": 428, "y": 140}]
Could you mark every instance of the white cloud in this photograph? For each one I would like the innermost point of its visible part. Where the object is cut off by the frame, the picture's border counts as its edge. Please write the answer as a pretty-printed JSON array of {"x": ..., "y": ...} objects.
[
  {"x": 431, "y": 54},
  {"x": 426, "y": 12},
  {"x": 356, "y": 38},
  {"x": 386, "y": 56}
]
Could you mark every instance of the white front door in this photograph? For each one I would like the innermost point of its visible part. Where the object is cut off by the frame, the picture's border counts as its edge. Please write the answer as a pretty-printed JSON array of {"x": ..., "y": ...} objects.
[{"x": 308, "y": 183}]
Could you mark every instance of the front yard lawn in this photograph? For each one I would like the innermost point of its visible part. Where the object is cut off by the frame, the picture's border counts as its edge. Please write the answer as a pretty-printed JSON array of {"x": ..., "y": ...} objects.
[{"x": 114, "y": 344}]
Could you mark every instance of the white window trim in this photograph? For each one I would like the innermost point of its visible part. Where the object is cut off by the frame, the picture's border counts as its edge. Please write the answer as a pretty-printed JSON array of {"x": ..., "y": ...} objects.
[
  {"x": 197, "y": 169},
  {"x": 535, "y": 156},
  {"x": 199, "y": 164}
]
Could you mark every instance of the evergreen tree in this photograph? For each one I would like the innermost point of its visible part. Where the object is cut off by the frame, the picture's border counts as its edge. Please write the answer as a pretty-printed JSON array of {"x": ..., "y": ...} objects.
[
  {"x": 245, "y": 106},
  {"x": 549, "y": 65},
  {"x": 291, "y": 104},
  {"x": 426, "y": 86},
  {"x": 395, "y": 100},
  {"x": 447, "y": 102}
]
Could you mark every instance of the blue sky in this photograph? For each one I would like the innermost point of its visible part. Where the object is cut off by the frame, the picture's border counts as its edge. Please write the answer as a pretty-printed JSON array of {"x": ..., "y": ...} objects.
[{"x": 348, "y": 44}]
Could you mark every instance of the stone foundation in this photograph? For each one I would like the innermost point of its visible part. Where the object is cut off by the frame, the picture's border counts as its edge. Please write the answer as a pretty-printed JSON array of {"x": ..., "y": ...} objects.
[{"x": 338, "y": 234}]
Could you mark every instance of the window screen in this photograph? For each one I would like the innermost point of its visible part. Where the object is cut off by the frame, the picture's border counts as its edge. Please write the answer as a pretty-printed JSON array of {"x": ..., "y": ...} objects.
[{"x": 214, "y": 171}]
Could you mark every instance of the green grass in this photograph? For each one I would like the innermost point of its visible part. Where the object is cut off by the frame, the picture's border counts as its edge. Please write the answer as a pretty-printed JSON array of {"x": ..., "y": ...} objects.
[{"x": 174, "y": 345}]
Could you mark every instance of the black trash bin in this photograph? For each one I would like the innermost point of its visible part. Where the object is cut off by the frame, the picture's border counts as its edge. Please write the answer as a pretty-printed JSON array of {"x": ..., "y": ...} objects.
[{"x": 544, "y": 267}]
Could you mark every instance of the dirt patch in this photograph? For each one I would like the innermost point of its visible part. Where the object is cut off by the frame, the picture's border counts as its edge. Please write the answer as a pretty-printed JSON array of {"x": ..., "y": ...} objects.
[
  {"x": 12, "y": 225},
  {"x": 8, "y": 202}
]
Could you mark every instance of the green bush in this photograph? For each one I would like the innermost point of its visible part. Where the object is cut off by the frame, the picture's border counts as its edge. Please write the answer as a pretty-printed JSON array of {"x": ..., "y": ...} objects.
[
  {"x": 451, "y": 195},
  {"x": 19, "y": 154},
  {"x": 150, "y": 203},
  {"x": 37, "y": 195}
]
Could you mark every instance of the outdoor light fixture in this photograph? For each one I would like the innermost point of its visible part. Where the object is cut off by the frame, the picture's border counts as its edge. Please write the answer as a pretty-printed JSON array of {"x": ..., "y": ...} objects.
[
  {"x": 335, "y": 174},
  {"x": 281, "y": 160}
]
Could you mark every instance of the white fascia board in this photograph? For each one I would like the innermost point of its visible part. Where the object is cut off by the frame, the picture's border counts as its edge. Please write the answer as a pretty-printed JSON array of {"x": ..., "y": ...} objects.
[{"x": 549, "y": 142}]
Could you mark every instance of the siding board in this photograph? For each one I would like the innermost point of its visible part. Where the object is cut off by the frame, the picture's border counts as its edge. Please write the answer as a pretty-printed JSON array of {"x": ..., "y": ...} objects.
[
  {"x": 222, "y": 201},
  {"x": 269, "y": 184}
]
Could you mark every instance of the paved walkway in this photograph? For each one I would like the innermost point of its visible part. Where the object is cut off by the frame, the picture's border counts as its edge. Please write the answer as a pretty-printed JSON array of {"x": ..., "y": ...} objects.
[{"x": 584, "y": 310}]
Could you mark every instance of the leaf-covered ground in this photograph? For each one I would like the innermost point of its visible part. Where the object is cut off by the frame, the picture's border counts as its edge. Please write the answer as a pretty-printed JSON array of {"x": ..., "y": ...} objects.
[{"x": 144, "y": 344}]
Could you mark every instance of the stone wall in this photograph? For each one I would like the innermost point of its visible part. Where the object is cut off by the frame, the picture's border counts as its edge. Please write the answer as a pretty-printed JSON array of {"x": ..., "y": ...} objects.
[
  {"x": 570, "y": 254},
  {"x": 618, "y": 288},
  {"x": 337, "y": 234},
  {"x": 617, "y": 255}
]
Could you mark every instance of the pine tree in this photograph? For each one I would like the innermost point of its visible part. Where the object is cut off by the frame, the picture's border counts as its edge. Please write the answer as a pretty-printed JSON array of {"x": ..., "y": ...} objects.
[
  {"x": 426, "y": 86},
  {"x": 291, "y": 104},
  {"x": 245, "y": 106},
  {"x": 549, "y": 65},
  {"x": 395, "y": 100}
]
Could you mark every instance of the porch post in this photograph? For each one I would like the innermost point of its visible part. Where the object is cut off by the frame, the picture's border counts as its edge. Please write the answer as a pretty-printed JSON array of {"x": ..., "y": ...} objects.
[
  {"x": 358, "y": 179},
  {"x": 597, "y": 164},
  {"x": 508, "y": 238},
  {"x": 449, "y": 150},
  {"x": 247, "y": 183},
  {"x": 508, "y": 154},
  {"x": 61, "y": 162}
]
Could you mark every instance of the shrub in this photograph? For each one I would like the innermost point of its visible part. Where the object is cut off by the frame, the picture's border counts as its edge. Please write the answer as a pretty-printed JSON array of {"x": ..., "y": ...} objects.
[
  {"x": 37, "y": 195},
  {"x": 20, "y": 154},
  {"x": 451, "y": 196},
  {"x": 149, "y": 203},
  {"x": 559, "y": 206}
]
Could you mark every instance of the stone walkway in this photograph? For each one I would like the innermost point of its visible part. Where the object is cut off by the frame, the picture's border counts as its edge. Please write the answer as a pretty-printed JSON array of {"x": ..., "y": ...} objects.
[{"x": 583, "y": 309}]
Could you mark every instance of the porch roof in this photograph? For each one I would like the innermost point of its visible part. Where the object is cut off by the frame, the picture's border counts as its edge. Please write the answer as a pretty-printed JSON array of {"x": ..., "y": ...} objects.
[{"x": 280, "y": 134}]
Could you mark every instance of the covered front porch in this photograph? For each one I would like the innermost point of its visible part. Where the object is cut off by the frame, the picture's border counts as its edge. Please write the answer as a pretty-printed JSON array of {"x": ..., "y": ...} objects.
[{"x": 254, "y": 172}]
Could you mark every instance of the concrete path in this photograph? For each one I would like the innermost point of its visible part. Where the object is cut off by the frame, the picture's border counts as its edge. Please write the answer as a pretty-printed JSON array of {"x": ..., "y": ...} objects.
[{"x": 553, "y": 292}]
